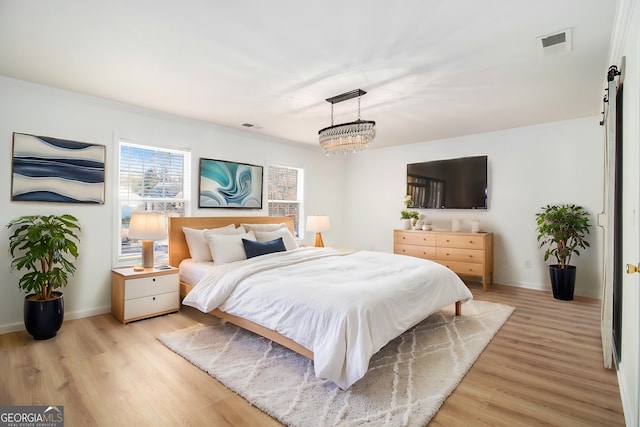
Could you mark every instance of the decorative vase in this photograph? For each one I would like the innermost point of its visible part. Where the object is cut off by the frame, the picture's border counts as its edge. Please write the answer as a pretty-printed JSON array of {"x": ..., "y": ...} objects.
[
  {"x": 43, "y": 319},
  {"x": 405, "y": 224}
]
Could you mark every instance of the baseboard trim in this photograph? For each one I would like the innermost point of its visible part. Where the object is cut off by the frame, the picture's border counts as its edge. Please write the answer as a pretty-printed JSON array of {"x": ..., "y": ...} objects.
[{"x": 72, "y": 315}]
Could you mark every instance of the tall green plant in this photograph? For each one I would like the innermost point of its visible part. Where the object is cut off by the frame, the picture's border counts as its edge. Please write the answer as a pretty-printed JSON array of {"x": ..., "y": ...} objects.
[
  {"x": 43, "y": 245},
  {"x": 563, "y": 229}
]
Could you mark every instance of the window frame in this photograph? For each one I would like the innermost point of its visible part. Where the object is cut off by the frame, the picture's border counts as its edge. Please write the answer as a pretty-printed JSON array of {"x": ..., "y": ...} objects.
[
  {"x": 119, "y": 258},
  {"x": 299, "y": 233}
]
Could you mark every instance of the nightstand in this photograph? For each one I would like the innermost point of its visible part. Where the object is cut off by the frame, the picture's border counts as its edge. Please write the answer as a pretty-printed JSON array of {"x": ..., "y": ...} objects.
[{"x": 138, "y": 295}]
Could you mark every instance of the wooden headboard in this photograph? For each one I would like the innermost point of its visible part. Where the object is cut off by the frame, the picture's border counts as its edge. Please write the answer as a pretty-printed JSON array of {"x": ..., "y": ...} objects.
[{"x": 178, "y": 249}]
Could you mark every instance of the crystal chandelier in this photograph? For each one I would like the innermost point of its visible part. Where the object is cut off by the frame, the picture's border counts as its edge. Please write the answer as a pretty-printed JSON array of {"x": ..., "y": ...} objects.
[{"x": 347, "y": 137}]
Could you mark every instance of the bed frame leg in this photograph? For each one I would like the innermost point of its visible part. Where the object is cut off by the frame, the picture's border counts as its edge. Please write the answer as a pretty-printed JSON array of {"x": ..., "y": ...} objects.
[{"x": 458, "y": 308}]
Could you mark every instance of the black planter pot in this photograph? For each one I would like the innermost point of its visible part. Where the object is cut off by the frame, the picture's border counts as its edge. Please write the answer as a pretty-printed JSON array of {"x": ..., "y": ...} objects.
[
  {"x": 43, "y": 319},
  {"x": 563, "y": 281}
]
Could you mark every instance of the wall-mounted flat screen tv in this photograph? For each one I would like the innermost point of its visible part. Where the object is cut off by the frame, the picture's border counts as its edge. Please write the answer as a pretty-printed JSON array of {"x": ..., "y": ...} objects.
[{"x": 448, "y": 184}]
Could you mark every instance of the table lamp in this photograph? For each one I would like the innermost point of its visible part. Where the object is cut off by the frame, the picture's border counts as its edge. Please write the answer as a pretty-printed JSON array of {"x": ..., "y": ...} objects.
[
  {"x": 318, "y": 224},
  {"x": 147, "y": 226}
]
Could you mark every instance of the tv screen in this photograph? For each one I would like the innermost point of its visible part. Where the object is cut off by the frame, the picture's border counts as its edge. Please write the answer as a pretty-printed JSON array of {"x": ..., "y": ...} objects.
[{"x": 448, "y": 184}]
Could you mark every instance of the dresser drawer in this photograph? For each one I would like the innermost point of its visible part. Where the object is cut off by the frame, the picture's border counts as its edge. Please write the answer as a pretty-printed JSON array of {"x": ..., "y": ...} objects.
[
  {"x": 427, "y": 252},
  {"x": 149, "y": 305},
  {"x": 465, "y": 255},
  {"x": 468, "y": 241},
  {"x": 414, "y": 238},
  {"x": 467, "y": 268},
  {"x": 146, "y": 286}
]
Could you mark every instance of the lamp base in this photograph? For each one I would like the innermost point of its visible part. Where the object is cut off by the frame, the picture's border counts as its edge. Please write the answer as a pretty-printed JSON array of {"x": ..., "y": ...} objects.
[
  {"x": 148, "y": 257},
  {"x": 319, "y": 242}
]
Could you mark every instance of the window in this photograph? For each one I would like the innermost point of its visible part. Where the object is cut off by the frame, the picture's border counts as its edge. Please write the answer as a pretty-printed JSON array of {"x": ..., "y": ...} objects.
[
  {"x": 152, "y": 179},
  {"x": 285, "y": 194}
]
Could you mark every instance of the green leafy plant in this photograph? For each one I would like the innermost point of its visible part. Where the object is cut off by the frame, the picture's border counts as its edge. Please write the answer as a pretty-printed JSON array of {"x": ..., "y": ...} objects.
[
  {"x": 562, "y": 229},
  {"x": 43, "y": 245},
  {"x": 409, "y": 215}
]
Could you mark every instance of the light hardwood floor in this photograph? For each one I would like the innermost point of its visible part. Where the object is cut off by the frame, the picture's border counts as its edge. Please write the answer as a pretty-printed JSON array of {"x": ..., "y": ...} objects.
[{"x": 544, "y": 367}]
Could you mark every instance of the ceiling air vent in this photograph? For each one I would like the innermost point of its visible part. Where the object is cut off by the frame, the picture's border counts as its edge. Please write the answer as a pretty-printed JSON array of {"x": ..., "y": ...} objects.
[
  {"x": 251, "y": 125},
  {"x": 555, "y": 43}
]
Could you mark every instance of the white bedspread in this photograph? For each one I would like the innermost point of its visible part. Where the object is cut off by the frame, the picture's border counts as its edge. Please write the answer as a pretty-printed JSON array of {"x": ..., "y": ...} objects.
[{"x": 344, "y": 307}]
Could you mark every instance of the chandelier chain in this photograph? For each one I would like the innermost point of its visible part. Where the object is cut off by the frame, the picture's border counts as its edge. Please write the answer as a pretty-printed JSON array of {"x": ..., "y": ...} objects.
[{"x": 331, "y": 114}]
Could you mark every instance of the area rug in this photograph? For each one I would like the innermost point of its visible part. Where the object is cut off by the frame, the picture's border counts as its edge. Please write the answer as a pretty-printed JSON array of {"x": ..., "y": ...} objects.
[{"x": 407, "y": 382}]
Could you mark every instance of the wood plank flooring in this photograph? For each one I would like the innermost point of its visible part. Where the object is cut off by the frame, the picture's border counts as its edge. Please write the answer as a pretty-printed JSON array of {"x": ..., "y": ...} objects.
[{"x": 544, "y": 367}]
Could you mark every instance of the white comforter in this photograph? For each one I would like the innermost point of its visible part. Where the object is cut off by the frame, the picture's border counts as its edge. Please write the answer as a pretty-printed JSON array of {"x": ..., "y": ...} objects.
[{"x": 343, "y": 306}]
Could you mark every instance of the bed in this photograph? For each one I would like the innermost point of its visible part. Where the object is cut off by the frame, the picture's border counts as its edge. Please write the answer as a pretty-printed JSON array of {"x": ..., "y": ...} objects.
[{"x": 289, "y": 297}]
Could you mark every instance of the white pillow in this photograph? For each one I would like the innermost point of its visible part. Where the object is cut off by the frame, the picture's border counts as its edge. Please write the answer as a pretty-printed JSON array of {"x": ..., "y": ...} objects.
[
  {"x": 287, "y": 238},
  {"x": 263, "y": 227},
  {"x": 227, "y": 248},
  {"x": 197, "y": 242}
]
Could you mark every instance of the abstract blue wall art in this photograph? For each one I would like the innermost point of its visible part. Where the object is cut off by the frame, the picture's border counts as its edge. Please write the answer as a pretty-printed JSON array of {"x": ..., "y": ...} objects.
[
  {"x": 56, "y": 170},
  {"x": 230, "y": 185}
]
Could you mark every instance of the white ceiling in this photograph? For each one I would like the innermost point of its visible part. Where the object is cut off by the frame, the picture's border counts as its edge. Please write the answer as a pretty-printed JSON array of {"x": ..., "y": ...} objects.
[{"x": 432, "y": 69}]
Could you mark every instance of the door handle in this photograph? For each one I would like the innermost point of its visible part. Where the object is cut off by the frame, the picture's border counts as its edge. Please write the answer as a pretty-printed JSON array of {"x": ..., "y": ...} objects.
[{"x": 632, "y": 268}]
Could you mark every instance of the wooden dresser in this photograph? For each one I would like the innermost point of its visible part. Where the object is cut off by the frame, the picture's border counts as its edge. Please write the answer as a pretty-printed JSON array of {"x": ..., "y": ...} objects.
[{"x": 467, "y": 254}]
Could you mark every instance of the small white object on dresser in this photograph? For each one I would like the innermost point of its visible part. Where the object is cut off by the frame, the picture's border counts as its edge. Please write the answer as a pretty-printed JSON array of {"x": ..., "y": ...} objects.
[{"x": 142, "y": 294}]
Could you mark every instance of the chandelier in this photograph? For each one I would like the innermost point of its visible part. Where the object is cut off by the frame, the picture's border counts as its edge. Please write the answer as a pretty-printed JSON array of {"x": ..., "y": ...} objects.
[{"x": 347, "y": 137}]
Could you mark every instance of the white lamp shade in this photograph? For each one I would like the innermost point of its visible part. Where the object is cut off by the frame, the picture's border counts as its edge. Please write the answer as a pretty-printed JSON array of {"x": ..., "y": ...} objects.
[
  {"x": 318, "y": 223},
  {"x": 147, "y": 226}
]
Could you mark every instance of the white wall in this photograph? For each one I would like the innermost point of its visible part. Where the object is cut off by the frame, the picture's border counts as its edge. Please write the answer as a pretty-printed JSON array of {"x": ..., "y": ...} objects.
[
  {"x": 41, "y": 110},
  {"x": 363, "y": 194},
  {"x": 529, "y": 167}
]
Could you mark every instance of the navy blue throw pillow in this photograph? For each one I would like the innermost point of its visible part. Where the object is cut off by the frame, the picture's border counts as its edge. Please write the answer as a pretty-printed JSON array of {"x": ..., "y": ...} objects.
[{"x": 253, "y": 249}]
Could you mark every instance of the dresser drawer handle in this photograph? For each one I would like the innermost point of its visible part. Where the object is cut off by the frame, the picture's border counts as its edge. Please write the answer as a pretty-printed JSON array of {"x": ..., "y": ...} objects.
[
  {"x": 154, "y": 279},
  {"x": 154, "y": 298}
]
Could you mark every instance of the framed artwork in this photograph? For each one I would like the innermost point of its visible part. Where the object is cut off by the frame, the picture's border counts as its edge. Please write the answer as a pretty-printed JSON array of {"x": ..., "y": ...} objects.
[
  {"x": 46, "y": 169},
  {"x": 226, "y": 184}
]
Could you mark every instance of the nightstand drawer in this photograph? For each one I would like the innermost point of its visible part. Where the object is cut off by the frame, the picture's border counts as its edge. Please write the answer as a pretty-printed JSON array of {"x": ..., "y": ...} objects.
[
  {"x": 146, "y": 286},
  {"x": 149, "y": 305}
]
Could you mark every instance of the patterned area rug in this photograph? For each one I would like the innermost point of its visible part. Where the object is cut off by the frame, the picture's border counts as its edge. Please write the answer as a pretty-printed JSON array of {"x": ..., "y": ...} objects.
[{"x": 407, "y": 382}]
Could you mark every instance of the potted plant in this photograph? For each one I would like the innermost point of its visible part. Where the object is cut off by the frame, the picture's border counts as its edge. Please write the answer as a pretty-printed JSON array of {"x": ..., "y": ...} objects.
[
  {"x": 562, "y": 229},
  {"x": 408, "y": 219},
  {"x": 43, "y": 246}
]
